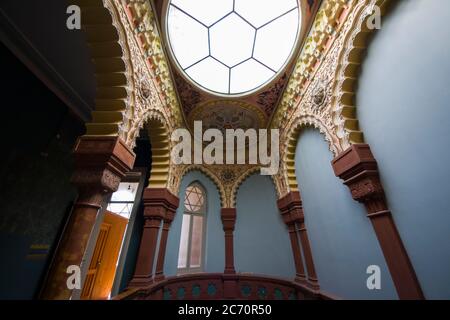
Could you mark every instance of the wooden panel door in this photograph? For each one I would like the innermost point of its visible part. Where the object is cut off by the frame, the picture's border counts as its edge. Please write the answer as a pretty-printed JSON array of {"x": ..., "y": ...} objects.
[{"x": 102, "y": 269}]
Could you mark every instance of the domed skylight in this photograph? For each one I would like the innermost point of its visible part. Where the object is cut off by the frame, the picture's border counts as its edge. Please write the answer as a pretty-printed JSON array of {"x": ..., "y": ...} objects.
[{"x": 232, "y": 47}]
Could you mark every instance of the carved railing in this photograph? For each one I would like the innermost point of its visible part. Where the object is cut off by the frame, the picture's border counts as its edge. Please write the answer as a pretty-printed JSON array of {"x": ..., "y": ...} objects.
[{"x": 207, "y": 286}]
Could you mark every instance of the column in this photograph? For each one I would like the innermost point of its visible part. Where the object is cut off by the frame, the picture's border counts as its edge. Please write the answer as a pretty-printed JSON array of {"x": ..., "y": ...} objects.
[
  {"x": 230, "y": 287},
  {"x": 100, "y": 165},
  {"x": 167, "y": 222},
  {"x": 359, "y": 170},
  {"x": 157, "y": 202},
  {"x": 291, "y": 209},
  {"x": 284, "y": 206},
  {"x": 313, "y": 282},
  {"x": 228, "y": 216}
]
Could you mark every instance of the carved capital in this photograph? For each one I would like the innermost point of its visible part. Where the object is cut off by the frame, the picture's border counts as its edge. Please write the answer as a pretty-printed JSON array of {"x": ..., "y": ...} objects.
[
  {"x": 366, "y": 188},
  {"x": 359, "y": 170},
  {"x": 154, "y": 212},
  {"x": 228, "y": 216},
  {"x": 101, "y": 163},
  {"x": 291, "y": 208},
  {"x": 160, "y": 204}
]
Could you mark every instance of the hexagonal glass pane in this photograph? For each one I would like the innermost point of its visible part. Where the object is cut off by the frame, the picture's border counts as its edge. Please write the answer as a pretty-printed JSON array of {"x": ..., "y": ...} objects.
[
  {"x": 251, "y": 74},
  {"x": 232, "y": 40},
  {"x": 268, "y": 37},
  {"x": 185, "y": 32},
  {"x": 259, "y": 12},
  {"x": 210, "y": 74},
  {"x": 194, "y": 198},
  {"x": 205, "y": 11}
]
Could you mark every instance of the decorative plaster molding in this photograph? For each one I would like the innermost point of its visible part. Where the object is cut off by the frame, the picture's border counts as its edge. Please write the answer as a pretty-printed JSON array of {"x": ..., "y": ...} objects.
[{"x": 135, "y": 83}]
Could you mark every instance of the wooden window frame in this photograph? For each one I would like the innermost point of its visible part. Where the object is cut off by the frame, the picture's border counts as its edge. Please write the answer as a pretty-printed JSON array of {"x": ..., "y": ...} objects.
[{"x": 202, "y": 212}]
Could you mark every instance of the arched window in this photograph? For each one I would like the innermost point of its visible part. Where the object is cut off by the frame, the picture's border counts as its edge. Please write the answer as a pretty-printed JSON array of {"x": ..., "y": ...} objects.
[{"x": 190, "y": 257}]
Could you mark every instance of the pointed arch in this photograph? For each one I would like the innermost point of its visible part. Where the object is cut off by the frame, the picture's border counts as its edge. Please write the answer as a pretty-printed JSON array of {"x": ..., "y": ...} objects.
[
  {"x": 348, "y": 71},
  {"x": 207, "y": 173},
  {"x": 132, "y": 80},
  {"x": 241, "y": 180},
  {"x": 290, "y": 146},
  {"x": 160, "y": 142},
  {"x": 112, "y": 60}
]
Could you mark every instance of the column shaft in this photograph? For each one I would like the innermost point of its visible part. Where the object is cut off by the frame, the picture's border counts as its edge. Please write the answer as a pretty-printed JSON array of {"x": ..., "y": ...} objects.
[
  {"x": 159, "y": 206},
  {"x": 159, "y": 274},
  {"x": 291, "y": 210},
  {"x": 228, "y": 216},
  {"x": 143, "y": 273},
  {"x": 313, "y": 282},
  {"x": 300, "y": 270}
]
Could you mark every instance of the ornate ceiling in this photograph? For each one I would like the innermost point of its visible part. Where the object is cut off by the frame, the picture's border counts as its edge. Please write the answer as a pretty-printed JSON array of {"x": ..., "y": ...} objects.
[
  {"x": 136, "y": 87},
  {"x": 254, "y": 110}
]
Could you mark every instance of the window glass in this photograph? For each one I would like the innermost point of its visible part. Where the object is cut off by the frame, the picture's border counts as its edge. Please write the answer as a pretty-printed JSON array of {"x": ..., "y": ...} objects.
[
  {"x": 122, "y": 200},
  {"x": 190, "y": 256},
  {"x": 232, "y": 47}
]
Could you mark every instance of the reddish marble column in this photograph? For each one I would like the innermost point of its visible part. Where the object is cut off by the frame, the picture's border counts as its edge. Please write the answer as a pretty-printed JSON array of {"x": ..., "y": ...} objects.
[
  {"x": 100, "y": 164},
  {"x": 228, "y": 216},
  {"x": 284, "y": 204},
  {"x": 170, "y": 215},
  {"x": 313, "y": 282},
  {"x": 296, "y": 250},
  {"x": 291, "y": 210},
  {"x": 157, "y": 202},
  {"x": 359, "y": 170}
]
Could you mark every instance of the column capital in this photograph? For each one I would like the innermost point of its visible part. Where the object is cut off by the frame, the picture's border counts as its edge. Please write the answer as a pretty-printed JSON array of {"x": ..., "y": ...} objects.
[
  {"x": 160, "y": 204},
  {"x": 291, "y": 208},
  {"x": 228, "y": 216},
  {"x": 101, "y": 163},
  {"x": 359, "y": 170}
]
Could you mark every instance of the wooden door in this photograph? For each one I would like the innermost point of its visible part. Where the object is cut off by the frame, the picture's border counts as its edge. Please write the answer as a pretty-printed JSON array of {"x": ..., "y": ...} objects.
[{"x": 102, "y": 269}]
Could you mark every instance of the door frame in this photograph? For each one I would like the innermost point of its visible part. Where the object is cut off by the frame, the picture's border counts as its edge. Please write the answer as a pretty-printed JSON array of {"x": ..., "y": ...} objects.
[{"x": 136, "y": 175}]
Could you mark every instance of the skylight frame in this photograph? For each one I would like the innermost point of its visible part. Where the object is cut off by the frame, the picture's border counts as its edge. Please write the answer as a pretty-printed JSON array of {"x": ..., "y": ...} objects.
[{"x": 276, "y": 74}]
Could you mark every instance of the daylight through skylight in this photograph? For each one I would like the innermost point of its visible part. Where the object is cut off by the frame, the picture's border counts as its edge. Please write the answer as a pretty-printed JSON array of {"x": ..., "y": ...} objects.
[{"x": 232, "y": 47}]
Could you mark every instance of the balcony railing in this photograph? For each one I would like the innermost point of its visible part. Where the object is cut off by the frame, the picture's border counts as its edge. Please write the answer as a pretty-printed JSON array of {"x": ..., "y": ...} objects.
[{"x": 207, "y": 286}]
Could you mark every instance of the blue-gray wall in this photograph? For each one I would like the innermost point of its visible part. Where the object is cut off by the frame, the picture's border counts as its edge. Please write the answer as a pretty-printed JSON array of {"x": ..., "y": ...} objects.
[
  {"x": 215, "y": 239},
  {"x": 342, "y": 239},
  {"x": 404, "y": 110},
  {"x": 261, "y": 240}
]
